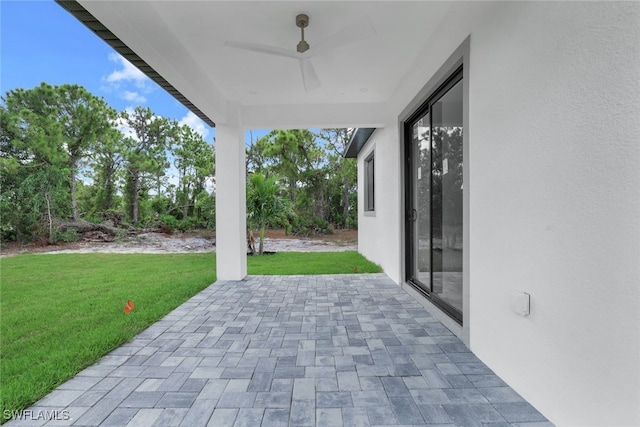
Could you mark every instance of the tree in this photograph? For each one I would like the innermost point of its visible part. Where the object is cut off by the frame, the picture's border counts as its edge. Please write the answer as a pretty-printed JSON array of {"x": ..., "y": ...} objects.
[
  {"x": 265, "y": 204},
  {"x": 53, "y": 137},
  {"x": 107, "y": 162},
  {"x": 144, "y": 152},
  {"x": 85, "y": 119},
  {"x": 344, "y": 171},
  {"x": 320, "y": 182},
  {"x": 43, "y": 193},
  {"x": 291, "y": 154},
  {"x": 195, "y": 161},
  {"x": 66, "y": 115},
  {"x": 295, "y": 156},
  {"x": 32, "y": 167}
]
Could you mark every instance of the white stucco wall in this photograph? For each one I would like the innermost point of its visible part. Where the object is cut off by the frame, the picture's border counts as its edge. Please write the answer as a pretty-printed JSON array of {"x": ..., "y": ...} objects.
[
  {"x": 554, "y": 182},
  {"x": 382, "y": 245},
  {"x": 555, "y": 131}
]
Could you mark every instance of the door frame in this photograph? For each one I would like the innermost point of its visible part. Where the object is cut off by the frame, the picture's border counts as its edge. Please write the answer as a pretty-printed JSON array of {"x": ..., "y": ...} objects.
[
  {"x": 459, "y": 58},
  {"x": 411, "y": 248}
]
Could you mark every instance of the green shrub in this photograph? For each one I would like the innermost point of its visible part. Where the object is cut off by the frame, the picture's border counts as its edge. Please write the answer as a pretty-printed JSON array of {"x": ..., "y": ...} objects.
[
  {"x": 188, "y": 224},
  {"x": 160, "y": 204},
  {"x": 68, "y": 235},
  {"x": 168, "y": 220},
  {"x": 167, "y": 223},
  {"x": 206, "y": 210},
  {"x": 352, "y": 223},
  {"x": 311, "y": 227},
  {"x": 93, "y": 219}
]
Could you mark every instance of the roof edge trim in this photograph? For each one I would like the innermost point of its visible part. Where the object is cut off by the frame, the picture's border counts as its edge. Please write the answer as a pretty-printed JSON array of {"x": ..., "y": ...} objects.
[
  {"x": 93, "y": 24},
  {"x": 357, "y": 141}
]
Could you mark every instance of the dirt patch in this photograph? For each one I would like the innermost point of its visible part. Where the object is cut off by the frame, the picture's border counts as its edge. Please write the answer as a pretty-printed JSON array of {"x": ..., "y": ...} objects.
[{"x": 275, "y": 241}]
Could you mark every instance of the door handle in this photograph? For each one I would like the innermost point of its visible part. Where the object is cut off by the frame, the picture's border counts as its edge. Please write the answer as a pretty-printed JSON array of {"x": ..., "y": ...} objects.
[{"x": 413, "y": 215}]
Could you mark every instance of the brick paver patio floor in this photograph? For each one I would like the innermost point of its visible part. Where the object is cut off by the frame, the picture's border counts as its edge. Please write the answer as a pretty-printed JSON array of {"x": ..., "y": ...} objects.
[{"x": 353, "y": 350}]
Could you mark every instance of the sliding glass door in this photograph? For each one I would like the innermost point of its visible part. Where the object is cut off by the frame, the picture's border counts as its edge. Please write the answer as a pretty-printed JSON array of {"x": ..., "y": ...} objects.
[{"x": 434, "y": 197}]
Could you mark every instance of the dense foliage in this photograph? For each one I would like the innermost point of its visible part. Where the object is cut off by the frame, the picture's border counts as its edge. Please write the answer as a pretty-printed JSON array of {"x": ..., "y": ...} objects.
[
  {"x": 66, "y": 156},
  {"x": 318, "y": 182}
]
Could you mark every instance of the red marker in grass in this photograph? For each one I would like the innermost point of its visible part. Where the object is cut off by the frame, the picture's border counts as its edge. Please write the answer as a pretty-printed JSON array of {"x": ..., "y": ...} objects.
[{"x": 128, "y": 307}]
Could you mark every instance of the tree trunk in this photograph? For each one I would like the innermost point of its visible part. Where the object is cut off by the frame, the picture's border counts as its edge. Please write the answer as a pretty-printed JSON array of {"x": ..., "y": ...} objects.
[
  {"x": 321, "y": 198},
  {"x": 345, "y": 202},
  {"x": 291, "y": 189},
  {"x": 136, "y": 197},
  {"x": 185, "y": 201},
  {"x": 108, "y": 186},
  {"x": 194, "y": 199},
  {"x": 261, "y": 245},
  {"x": 196, "y": 210},
  {"x": 51, "y": 239},
  {"x": 72, "y": 190}
]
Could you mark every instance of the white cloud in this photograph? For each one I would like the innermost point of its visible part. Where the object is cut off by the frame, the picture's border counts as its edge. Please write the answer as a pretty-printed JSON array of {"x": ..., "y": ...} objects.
[
  {"x": 128, "y": 72},
  {"x": 123, "y": 127},
  {"x": 195, "y": 123},
  {"x": 127, "y": 82},
  {"x": 130, "y": 96}
]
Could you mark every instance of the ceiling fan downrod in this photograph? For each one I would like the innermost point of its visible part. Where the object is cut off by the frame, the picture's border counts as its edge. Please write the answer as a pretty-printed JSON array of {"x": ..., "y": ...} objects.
[{"x": 302, "y": 21}]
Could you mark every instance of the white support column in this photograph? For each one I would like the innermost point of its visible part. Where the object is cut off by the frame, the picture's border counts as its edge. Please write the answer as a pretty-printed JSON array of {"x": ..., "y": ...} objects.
[{"x": 231, "y": 203}]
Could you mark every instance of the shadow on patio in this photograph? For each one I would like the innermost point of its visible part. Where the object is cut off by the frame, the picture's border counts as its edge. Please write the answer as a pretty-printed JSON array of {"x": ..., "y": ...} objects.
[{"x": 290, "y": 350}]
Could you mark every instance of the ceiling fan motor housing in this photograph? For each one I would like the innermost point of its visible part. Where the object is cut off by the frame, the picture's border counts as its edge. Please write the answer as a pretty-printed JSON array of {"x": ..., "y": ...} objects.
[{"x": 302, "y": 20}]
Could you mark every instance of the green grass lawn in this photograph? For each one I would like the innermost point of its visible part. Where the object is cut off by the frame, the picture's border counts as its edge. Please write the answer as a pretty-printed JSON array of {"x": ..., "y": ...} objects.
[
  {"x": 288, "y": 263},
  {"x": 61, "y": 313}
]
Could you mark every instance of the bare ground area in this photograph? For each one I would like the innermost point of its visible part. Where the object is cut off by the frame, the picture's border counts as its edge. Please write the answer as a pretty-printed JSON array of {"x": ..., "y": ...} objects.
[{"x": 204, "y": 241}]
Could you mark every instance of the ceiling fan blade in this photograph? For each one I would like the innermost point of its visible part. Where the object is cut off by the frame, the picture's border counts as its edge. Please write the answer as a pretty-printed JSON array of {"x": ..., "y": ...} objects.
[
  {"x": 263, "y": 48},
  {"x": 358, "y": 30},
  {"x": 309, "y": 76}
]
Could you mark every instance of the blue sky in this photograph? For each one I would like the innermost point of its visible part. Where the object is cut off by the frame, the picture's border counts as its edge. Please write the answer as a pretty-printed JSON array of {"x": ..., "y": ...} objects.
[{"x": 42, "y": 42}]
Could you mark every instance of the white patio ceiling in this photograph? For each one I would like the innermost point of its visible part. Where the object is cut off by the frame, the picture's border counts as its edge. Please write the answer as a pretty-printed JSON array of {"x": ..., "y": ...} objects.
[{"x": 184, "y": 42}]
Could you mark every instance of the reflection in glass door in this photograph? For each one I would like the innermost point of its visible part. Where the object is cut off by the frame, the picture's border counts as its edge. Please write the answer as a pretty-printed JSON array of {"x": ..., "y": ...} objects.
[
  {"x": 421, "y": 153},
  {"x": 434, "y": 198}
]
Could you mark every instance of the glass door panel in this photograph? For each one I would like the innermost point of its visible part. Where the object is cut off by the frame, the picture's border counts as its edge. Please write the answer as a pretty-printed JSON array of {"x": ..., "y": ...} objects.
[
  {"x": 434, "y": 198},
  {"x": 422, "y": 200},
  {"x": 446, "y": 199}
]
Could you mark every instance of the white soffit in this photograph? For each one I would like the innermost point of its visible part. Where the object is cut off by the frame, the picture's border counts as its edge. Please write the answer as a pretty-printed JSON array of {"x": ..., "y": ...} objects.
[{"x": 184, "y": 42}]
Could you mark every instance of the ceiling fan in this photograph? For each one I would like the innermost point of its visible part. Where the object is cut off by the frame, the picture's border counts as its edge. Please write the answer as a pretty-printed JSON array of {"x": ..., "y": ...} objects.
[{"x": 304, "y": 52}]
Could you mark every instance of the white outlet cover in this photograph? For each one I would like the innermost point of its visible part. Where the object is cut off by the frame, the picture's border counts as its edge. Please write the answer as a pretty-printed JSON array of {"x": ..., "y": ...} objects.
[{"x": 520, "y": 303}]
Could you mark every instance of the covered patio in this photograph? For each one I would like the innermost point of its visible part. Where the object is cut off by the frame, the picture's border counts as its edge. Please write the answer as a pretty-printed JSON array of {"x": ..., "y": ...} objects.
[
  {"x": 545, "y": 233},
  {"x": 353, "y": 350},
  {"x": 238, "y": 67}
]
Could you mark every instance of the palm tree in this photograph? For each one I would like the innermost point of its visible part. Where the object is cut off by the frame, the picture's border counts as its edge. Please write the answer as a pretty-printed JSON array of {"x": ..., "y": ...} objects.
[{"x": 265, "y": 204}]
